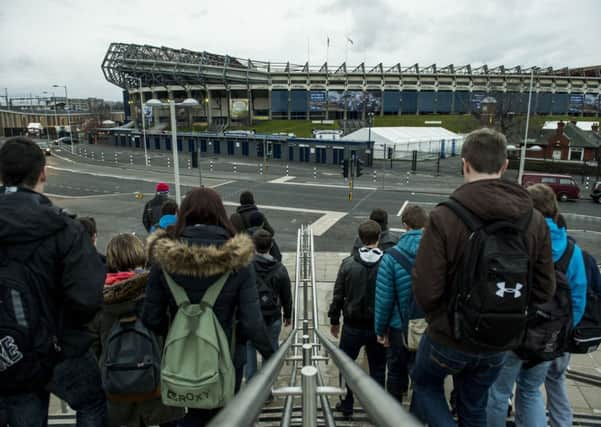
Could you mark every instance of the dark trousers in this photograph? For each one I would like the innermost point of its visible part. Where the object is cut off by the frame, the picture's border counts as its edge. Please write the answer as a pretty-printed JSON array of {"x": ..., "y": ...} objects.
[
  {"x": 473, "y": 375},
  {"x": 398, "y": 360},
  {"x": 351, "y": 341},
  {"x": 198, "y": 417}
]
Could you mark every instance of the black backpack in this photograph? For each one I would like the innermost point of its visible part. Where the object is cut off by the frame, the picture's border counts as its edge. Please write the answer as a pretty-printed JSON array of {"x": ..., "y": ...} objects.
[
  {"x": 269, "y": 299},
  {"x": 131, "y": 362},
  {"x": 491, "y": 289},
  {"x": 550, "y": 324},
  {"x": 28, "y": 342},
  {"x": 586, "y": 335}
]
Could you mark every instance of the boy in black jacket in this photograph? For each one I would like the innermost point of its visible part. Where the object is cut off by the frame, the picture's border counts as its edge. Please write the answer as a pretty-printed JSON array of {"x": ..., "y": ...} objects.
[
  {"x": 354, "y": 294},
  {"x": 275, "y": 295}
]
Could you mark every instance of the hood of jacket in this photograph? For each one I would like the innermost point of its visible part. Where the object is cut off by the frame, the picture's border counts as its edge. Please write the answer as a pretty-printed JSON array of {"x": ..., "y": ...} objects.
[
  {"x": 369, "y": 256},
  {"x": 202, "y": 251},
  {"x": 27, "y": 216},
  {"x": 559, "y": 239},
  {"x": 409, "y": 241},
  {"x": 494, "y": 199},
  {"x": 124, "y": 291},
  {"x": 387, "y": 237},
  {"x": 265, "y": 263},
  {"x": 167, "y": 220},
  {"x": 246, "y": 208}
]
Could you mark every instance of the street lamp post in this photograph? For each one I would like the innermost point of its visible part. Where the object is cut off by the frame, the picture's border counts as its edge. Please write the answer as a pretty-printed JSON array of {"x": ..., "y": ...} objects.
[
  {"x": 190, "y": 102},
  {"x": 143, "y": 121},
  {"x": 68, "y": 117},
  {"x": 523, "y": 151}
]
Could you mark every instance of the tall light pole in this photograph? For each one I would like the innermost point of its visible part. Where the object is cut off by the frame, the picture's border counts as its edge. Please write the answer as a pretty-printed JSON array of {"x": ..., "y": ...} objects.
[
  {"x": 143, "y": 120},
  {"x": 189, "y": 102},
  {"x": 523, "y": 151},
  {"x": 54, "y": 101},
  {"x": 47, "y": 121},
  {"x": 68, "y": 117}
]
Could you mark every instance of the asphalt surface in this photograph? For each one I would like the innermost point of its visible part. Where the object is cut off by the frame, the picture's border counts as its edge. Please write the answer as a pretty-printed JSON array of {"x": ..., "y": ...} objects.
[{"x": 106, "y": 190}]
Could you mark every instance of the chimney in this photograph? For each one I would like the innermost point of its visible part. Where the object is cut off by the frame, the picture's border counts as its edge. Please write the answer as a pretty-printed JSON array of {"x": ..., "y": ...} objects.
[
  {"x": 595, "y": 127},
  {"x": 560, "y": 126},
  {"x": 573, "y": 121}
]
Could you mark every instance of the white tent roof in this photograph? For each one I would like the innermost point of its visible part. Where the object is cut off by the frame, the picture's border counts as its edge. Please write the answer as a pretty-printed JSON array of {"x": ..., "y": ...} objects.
[
  {"x": 35, "y": 126},
  {"x": 403, "y": 134},
  {"x": 586, "y": 126}
]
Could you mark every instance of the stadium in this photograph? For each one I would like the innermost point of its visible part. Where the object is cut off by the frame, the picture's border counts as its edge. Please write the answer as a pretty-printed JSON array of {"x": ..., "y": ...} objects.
[{"x": 232, "y": 90}]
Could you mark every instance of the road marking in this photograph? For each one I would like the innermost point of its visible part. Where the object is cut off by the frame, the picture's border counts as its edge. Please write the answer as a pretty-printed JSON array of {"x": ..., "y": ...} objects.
[
  {"x": 281, "y": 180},
  {"x": 327, "y": 220},
  {"x": 221, "y": 184},
  {"x": 308, "y": 184},
  {"x": 403, "y": 208},
  {"x": 93, "y": 196},
  {"x": 581, "y": 216}
]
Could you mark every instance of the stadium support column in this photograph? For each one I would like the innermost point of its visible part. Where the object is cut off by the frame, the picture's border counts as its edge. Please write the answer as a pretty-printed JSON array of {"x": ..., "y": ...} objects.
[
  {"x": 269, "y": 102},
  {"x": 289, "y": 104},
  {"x": 189, "y": 111},
  {"x": 228, "y": 100},
  {"x": 156, "y": 112},
  {"x": 250, "y": 107},
  {"x": 208, "y": 107},
  {"x": 382, "y": 103}
]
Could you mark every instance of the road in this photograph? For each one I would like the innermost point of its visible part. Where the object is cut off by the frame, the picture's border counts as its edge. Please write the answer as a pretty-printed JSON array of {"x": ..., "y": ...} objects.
[{"x": 106, "y": 191}]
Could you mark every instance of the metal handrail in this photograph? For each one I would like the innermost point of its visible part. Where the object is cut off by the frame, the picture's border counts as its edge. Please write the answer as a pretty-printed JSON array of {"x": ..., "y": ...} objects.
[
  {"x": 243, "y": 410},
  {"x": 380, "y": 406}
]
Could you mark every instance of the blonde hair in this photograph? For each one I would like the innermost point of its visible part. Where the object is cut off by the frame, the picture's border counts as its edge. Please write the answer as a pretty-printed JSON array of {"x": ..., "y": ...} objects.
[{"x": 125, "y": 252}]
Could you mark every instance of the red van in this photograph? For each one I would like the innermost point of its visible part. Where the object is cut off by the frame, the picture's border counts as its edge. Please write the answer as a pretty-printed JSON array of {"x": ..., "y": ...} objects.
[{"x": 565, "y": 186}]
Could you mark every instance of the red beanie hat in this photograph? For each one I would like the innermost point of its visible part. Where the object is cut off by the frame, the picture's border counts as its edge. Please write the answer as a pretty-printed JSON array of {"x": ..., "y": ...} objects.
[{"x": 162, "y": 187}]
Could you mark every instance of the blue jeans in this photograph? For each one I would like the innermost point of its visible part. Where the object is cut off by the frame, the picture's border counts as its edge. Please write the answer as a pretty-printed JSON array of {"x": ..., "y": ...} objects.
[
  {"x": 558, "y": 403},
  {"x": 77, "y": 381},
  {"x": 251, "y": 352},
  {"x": 398, "y": 359},
  {"x": 529, "y": 404},
  {"x": 473, "y": 373},
  {"x": 25, "y": 410},
  {"x": 351, "y": 341}
]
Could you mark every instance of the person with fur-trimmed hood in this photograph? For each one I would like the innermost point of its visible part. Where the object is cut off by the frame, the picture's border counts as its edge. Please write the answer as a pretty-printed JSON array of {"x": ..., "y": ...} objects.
[
  {"x": 124, "y": 290},
  {"x": 203, "y": 246}
]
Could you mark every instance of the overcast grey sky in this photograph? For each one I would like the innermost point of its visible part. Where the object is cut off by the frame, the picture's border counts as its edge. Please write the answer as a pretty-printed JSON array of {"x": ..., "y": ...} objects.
[{"x": 47, "y": 42}]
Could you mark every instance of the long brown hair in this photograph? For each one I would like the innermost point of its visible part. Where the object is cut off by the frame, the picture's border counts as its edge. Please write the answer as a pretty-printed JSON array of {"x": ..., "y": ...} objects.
[{"x": 202, "y": 206}]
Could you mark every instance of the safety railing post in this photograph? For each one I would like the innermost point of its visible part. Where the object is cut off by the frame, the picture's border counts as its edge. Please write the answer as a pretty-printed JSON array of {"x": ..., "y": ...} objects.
[{"x": 309, "y": 390}]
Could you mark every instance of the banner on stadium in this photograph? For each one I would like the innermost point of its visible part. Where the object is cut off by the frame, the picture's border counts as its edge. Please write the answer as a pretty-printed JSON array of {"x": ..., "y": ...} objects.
[
  {"x": 317, "y": 100},
  {"x": 373, "y": 101},
  {"x": 576, "y": 102},
  {"x": 591, "y": 103},
  {"x": 239, "y": 108},
  {"x": 336, "y": 100}
]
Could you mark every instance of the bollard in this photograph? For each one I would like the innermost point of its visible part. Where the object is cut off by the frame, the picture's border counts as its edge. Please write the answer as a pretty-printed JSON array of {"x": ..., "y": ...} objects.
[
  {"x": 235, "y": 168},
  {"x": 314, "y": 173},
  {"x": 309, "y": 393},
  {"x": 286, "y": 170},
  {"x": 168, "y": 162},
  {"x": 102, "y": 156},
  {"x": 148, "y": 164},
  {"x": 260, "y": 168},
  {"x": 407, "y": 177},
  {"x": 131, "y": 159},
  {"x": 374, "y": 176},
  {"x": 116, "y": 158},
  {"x": 85, "y": 152},
  {"x": 93, "y": 156},
  {"x": 189, "y": 164},
  {"x": 211, "y": 165},
  {"x": 307, "y": 351},
  {"x": 587, "y": 182}
]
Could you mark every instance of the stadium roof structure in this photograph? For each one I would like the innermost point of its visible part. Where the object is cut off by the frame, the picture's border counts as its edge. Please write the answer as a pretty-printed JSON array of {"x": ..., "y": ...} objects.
[{"x": 130, "y": 65}]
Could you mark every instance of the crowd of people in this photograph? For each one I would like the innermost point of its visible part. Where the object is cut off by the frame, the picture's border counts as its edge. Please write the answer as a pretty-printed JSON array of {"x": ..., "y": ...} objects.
[{"x": 487, "y": 289}]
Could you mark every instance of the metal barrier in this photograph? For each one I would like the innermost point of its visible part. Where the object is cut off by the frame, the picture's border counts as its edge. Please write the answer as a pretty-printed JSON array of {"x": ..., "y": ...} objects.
[{"x": 303, "y": 349}]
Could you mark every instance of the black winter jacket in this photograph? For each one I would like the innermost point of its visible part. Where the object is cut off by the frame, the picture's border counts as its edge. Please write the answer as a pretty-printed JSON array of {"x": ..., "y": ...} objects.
[
  {"x": 354, "y": 292},
  {"x": 70, "y": 275},
  {"x": 152, "y": 210},
  {"x": 195, "y": 262},
  {"x": 387, "y": 240},
  {"x": 241, "y": 218},
  {"x": 279, "y": 281}
]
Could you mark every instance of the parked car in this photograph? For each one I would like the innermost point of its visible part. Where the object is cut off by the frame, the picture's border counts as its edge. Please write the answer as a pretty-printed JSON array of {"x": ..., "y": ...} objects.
[
  {"x": 45, "y": 147},
  {"x": 596, "y": 192},
  {"x": 564, "y": 186}
]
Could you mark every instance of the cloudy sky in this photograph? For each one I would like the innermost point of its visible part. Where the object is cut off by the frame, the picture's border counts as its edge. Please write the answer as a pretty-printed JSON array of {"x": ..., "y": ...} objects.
[{"x": 47, "y": 42}]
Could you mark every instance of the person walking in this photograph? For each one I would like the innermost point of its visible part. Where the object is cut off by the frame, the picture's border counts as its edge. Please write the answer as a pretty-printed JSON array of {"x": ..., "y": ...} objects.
[
  {"x": 152, "y": 209},
  {"x": 50, "y": 287},
  {"x": 241, "y": 218},
  {"x": 459, "y": 271},
  {"x": 353, "y": 295},
  {"x": 204, "y": 249},
  {"x": 387, "y": 238}
]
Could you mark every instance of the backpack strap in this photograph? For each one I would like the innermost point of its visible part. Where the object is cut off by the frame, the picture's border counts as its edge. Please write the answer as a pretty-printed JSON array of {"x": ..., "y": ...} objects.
[
  {"x": 215, "y": 289},
  {"x": 179, "y": 293},
  {"x": 401, "y": 257},
  {"x": 468, "y": 217},
  {"x": 563, "y": 263}
]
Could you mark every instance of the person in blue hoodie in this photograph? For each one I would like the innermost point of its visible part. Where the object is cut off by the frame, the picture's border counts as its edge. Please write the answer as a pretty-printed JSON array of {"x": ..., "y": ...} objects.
[
  {"x": 168, "y": 216},
  {"x": 393, "y": 296},
  {"x": 529, "y": 404}
]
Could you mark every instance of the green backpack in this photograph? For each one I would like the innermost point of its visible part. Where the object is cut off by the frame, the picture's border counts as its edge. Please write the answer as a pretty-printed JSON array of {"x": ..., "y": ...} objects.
[{"x": 197, "y": 369}]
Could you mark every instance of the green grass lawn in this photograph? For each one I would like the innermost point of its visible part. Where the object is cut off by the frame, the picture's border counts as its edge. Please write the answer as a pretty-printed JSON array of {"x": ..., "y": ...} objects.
[
  {"x": 460, "y": 123},
  {"x": 301, "y": 128}
]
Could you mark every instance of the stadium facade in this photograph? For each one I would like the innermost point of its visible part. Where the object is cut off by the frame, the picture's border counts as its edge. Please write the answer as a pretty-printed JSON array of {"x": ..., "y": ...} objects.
[{"x": 233, "y": 90}]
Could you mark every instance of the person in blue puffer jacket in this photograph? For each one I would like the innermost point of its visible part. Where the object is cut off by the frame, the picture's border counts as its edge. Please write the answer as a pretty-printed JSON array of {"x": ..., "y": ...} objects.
[
  {"x": 168, "y": 216},
  {"x": 529, "y": 403},
  {"x": 393, "y": 296}
]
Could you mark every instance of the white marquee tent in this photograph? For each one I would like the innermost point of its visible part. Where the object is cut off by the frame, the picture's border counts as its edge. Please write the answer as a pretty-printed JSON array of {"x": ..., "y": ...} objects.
[{"x": 405, "y": 139}]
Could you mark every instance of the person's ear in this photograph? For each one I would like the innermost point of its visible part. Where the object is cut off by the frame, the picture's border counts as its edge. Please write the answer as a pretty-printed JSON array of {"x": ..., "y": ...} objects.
[
  {"x": 42, "y": 178},
  {"x": 466, "y": 166},
  {"x": 504, "y": 167}
]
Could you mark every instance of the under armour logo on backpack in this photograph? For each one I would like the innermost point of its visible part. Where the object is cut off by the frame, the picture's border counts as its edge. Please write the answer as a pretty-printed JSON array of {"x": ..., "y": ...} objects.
[{"x": 503, "y": 290}]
